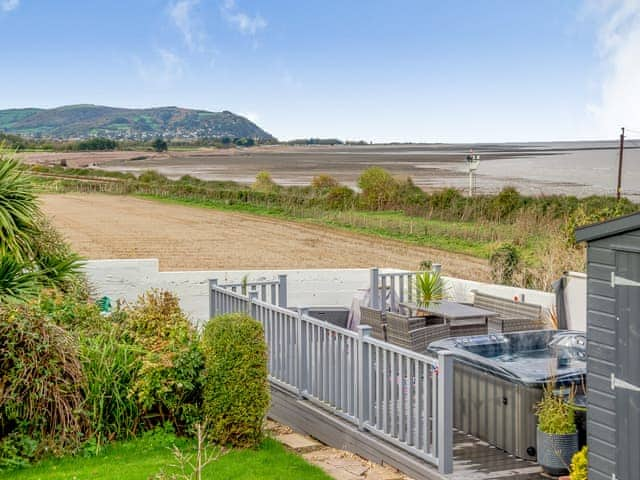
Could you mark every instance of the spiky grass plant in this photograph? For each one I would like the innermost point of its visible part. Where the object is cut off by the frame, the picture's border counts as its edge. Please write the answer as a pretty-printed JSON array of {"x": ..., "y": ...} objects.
[{"x": 430, "y": 288}]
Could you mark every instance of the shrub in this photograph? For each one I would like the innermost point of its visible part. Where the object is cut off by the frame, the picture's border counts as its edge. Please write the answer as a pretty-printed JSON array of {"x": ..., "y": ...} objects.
[
  {"x": 151, "y": 176},
  {"x": 41, "y": 383},
  {"x": 506, "y": 203},
  {"x": 579, "y": 464},
  {"x": 379, "y": 188},
  {"x": 167, "y": 386},
  {"x": 505, "y": 263},
  {"x": 264, "y": 183},
  {"x": 236, "y": 391},
  {"x": 323, "y": 182},
  {"x": 339, "y": 198}
]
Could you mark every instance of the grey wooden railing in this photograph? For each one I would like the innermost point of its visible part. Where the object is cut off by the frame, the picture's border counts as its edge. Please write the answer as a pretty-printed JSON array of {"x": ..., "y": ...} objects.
[
  {"x": 399, "y": 396},
  {"x": 271, "y": 291},
  {"x": 403, "y": 284}
]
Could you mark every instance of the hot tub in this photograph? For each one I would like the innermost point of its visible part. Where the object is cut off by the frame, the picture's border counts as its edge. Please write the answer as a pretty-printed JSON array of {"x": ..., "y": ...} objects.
[{"x": 499, "y": 379}]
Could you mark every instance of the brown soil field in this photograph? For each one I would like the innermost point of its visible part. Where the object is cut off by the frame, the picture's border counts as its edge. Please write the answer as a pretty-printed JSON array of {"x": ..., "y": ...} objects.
[{"x": 194, "y": 238}]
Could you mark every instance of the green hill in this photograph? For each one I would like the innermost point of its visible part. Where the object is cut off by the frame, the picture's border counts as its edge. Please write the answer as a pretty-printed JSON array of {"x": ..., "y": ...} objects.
[{"x": 83, "y": 121}]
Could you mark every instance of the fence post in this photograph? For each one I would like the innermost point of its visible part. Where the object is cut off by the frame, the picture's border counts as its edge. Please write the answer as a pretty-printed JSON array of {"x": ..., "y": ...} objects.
[
  {"x": 213, "y": 282},
  {"x": 252, "y": 310},
  {"x": 445, "y": 412},
  {"x": 373, "y": 285},
  {"x": 362, "y": 386},
  {"x": 282, "y": 291}
]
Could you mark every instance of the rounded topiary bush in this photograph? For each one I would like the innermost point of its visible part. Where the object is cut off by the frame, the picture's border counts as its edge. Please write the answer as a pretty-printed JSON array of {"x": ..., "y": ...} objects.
[{"x": 236, "y": 390}]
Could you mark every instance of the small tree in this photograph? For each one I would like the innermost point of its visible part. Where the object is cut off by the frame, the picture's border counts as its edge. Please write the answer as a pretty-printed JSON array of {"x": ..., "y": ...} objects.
[
  {"x": 160, "y": 145},
  {"x": 323, "y": 182},
  {"x": 379, "y": 188},
  {"x": 236, "y": 391}
]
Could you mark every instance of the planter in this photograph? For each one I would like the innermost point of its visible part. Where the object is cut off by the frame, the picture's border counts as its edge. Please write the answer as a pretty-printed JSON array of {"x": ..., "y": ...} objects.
[{"x": 555, "y": 451}]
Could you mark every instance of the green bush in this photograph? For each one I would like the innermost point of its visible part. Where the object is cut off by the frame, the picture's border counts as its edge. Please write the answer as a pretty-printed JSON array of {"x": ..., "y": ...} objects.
[
  {"x": 323, "y": 182},
  {"x": 264, "y": 183},
  {"x": 506, "y": 203},
  {"x": 41, "y": 381},
  {"x": 579, "y": 464},
  {"x": 236, "y": 390},
  {"x": 168, "y": 386},
  {"x": 339, "y": 198},
  {"x": 505, "y": 263},
  {"x": 379, "y": 188}
]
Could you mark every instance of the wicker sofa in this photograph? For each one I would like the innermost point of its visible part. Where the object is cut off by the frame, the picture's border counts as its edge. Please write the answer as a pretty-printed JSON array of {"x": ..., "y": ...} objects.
[
  {"x": 512, "y": 316},
  {"x": 414, "y": 332}
]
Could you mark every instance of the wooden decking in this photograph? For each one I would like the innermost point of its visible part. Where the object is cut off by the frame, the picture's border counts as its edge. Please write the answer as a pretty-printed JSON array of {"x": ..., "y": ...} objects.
[
  {"x": 473, "y": 459},
  {"x": 477, "y": 460}
]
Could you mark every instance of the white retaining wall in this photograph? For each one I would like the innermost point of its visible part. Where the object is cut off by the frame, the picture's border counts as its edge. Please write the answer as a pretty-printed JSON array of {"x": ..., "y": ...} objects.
[{"x": 127, "y": 279}]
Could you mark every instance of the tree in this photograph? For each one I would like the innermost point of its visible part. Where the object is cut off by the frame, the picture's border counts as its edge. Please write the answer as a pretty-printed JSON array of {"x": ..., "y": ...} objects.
[{"x": 160, "y": 145}]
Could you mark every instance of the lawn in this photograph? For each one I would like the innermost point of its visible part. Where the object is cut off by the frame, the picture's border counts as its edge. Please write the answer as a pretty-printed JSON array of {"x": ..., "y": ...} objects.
[{"x": 141, "y": 459}]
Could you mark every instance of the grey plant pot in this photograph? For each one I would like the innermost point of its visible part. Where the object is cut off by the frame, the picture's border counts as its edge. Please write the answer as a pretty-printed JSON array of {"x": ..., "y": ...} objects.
[{"x": 555, "y": 451}]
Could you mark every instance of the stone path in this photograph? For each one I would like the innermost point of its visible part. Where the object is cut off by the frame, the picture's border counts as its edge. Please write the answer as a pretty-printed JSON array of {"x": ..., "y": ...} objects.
[{"x": 339, "y": 464}]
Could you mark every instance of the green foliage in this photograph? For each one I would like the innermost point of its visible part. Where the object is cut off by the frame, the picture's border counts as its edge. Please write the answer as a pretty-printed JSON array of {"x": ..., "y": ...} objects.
[
  {"x": 430, "y": 288},
  {"x": 505, "y": 262},
  {"x": 167, "y": 385},
  {"x": 151, "y": 176},
  {"x": 506, "y": 203},
  {"x": 41, "y": 382},
  {"x": 110, "y": 366},
  {"x": 236, "y": 391},
  {"x": 379, "y": 188},
  {"x": 580, "y": 465},
  {"x": 264, "y": 183},
  {"x": 555, "y": 415},
  {"x": 323, "y": 182},
  {"x": 18, "y": 208},
  {"x": 93, "y": 144},
  {"x": 583, "y": 215},
  {"x": 17, "y": 450},
  {"x": 340, "y": 197},
  {"x": 160, "y": 145},
  {"x": 17, "y": 282}
]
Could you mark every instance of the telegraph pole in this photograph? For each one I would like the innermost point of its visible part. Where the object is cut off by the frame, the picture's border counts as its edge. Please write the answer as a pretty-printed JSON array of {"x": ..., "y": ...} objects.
[{"x": 619, "y": 189}]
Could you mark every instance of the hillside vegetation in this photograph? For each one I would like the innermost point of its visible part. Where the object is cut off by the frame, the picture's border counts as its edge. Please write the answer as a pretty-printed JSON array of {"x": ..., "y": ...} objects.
[{"x": 85, "y": 121}]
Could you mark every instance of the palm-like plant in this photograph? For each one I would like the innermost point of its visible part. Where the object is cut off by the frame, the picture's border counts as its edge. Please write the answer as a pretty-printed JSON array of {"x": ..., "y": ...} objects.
[
  {"x": 430, "y": 288},
  {"x": 18, "y": 208},
  {"x": 18, "y": 283}
]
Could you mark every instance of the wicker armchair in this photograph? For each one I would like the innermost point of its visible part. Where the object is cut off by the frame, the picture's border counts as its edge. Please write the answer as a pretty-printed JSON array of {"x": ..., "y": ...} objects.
[
  {"x": 414, "y": 333},
  {"x": 376, "y": 320}
]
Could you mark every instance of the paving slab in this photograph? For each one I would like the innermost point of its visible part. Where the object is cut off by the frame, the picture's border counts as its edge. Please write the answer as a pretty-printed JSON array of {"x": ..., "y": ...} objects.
[{"x": 298, "y": 442}]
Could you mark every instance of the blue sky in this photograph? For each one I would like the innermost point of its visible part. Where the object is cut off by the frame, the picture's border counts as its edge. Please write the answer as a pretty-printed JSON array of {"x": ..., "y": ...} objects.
[{"x": 382, "y": 70}]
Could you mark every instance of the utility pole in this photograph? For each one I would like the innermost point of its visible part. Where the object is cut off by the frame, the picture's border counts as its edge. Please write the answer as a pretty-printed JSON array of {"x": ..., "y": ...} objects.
[{"x": 619, "y": 189}]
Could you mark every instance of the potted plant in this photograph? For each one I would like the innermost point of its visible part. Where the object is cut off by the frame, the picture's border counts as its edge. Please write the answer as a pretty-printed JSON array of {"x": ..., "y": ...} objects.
[
  {"x": 430, "y": 288},
  {"x": 557, "y": 435}
]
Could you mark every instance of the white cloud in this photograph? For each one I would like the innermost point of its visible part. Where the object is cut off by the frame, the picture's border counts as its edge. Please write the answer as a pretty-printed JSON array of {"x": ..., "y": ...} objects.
[
  {"x": 9, "y": 5},
  {"x": 165, "y": 71},
  {"x": 181, "y": 14},
  {"x": 619, "y": 50},
  {"x": 241, "y": 21}
]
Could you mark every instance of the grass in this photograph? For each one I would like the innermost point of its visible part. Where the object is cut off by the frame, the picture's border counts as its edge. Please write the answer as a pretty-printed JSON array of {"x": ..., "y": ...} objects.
[
  {"x": 142, "y": 458},
  {"x": 449, "y": 236}
]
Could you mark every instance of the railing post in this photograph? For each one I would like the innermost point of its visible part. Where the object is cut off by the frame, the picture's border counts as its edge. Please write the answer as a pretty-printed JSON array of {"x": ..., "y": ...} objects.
[
  {"x": 362, "y": 386},
  {"x": 301, "y": 354},
  {"x": 374, "y": 279},
  {"x": 282, "y": 291},
  {"x": 436, "y": 267},
  {"x": 213, "y": 282},
  {"x": 252, "y": 307},
  {"x": 445, "y": 412}
]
